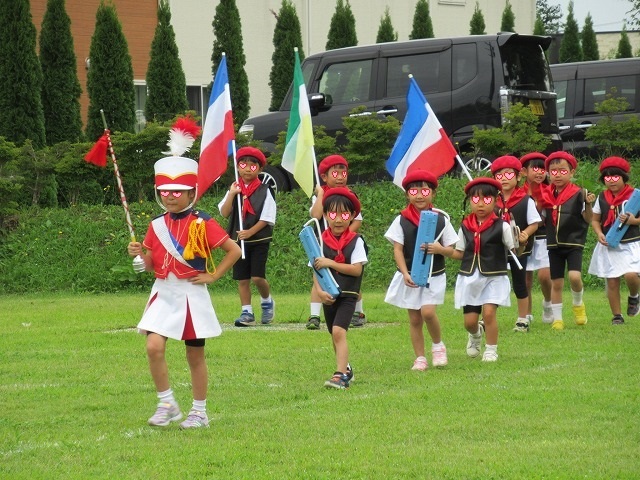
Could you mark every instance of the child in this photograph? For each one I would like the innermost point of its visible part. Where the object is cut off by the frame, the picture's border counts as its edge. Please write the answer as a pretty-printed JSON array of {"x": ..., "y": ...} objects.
[
  {"x": 482, "y": 283},
  {"x": 333, "y": 171},
  {"x": 623, "y": 261},
  {"x": 177, "y": 248},
  {"x": 345, "y": 255},
  {"x": 568, "y": 214},
  {"x": 518, "y": 209},
  {"x": 258, "y": 218},
  {"x": 420, "y": 302},
  {"x": 534, "y": 172}
]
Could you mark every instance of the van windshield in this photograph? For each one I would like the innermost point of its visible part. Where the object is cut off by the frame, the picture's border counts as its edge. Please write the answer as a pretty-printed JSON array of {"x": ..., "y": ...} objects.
[{"x": 525, "y": 66}]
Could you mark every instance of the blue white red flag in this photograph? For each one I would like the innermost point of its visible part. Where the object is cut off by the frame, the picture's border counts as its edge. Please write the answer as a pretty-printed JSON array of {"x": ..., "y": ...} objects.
[
  {"x": 217, "y": 133},
  {"x": 422, "y": 143}
]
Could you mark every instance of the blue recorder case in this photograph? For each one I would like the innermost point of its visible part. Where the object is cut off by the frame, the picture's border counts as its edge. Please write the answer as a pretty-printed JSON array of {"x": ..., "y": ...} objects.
[
  {"x": 421, "y": 265},
  {"x": 312, "y": 249},
  {"x": 617, "y": 230}
]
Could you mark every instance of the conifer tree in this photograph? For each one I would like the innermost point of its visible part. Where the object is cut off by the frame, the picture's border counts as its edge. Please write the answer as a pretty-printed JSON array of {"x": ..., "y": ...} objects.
[
  {"x": 589, "y": 42},
  {"x": 166, "y": 84},
  {"x": 538, "y": 27},
  {"x": 551, "y": 16},
  {"x": 386, "y": 33},
  {"x": 342, "y": 30},
  {"x": 21, "y": 114},
  {"x": 60, "y": 88},
  {"x": 227, "y": 32},
  {"x": 422, "y": 24},
  {"x": 508, "y": 19},
  {"x": 110, "y": 76},
  {"x": 477, "y": 25},
  {"x": 286, "y": 36},
  {"x": 570, "y": 49},
  {"x": 624, "y": 45}
]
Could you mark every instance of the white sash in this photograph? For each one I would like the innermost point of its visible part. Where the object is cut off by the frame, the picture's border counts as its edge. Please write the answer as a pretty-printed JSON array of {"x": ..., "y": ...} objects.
[{"x": 162, "y": 232}]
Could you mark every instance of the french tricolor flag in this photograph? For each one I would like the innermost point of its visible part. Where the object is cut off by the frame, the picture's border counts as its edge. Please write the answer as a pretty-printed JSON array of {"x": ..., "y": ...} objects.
[
  {"x": 217, "y": 133},
  {"x": 422, "y": 143}
]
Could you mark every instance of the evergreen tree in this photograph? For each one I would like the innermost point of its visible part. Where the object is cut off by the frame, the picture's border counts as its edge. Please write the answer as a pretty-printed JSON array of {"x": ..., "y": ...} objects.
[
  {"x": 342, "y": 30},
  {"x": 422, "y": 24},
  {"x": 60, "y": 88},
  {"x": 386, "y": 33},
  {"x": 166, "y": 84},
  {"x": 286, "y": 36},
  {"x": 227, "y": 32},
  {"x": 538, "y": 27},
  {"x": 624, "y": 46},
  {"x": 570, "y": 50},
  {"x": 551, "y": 16},
  {"x": 477, "y": 25},
  {"x": 21, "y": 114},
  {"x": 589, "y": 42},
  {"x": 110, "y": 76},
  {"x": 508, "y": 19}
]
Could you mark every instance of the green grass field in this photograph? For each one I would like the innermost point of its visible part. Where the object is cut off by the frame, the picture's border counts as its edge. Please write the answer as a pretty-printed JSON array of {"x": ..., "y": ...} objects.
[{"x": 76, "y": 394}]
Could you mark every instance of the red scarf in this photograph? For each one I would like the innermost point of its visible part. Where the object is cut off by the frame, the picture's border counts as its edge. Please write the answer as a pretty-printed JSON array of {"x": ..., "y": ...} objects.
[
  {"x": 338, "y": 244},
  {"x": 616, "y": 201},
  {"x": 247, "y": 191},
  {"x": 517, "y": 195},
  {"x": 412, "y": 214},
  {"x": 471, "y": 223},
  {"x": 544, "y": 195}
]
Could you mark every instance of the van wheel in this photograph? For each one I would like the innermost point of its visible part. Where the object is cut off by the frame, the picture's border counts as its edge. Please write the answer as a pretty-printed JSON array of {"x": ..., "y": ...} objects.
[
  {"x": 477, "y": 164},
  {"x": 275, "y": 178}
]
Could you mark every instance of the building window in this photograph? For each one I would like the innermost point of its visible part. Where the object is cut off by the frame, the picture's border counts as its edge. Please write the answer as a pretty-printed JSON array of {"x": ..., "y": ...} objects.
[
  {"x": 195, "y": 96},
  {"x": 141, "y": 100},
  {"x": 452, "y": 2}
]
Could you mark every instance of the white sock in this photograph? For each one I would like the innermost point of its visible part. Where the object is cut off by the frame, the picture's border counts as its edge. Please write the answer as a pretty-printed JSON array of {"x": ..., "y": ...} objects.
[
  {"x": 316, "y": 308},
  {"x": 634, "y": 296},
  {"x": 522, "y": 319},
  {"x": 546, "y": 304},
  {"x": 247, "y": 308},
  {"x": 199, "y": 405},
  {"x": 577, "y": 297},
  {"x": 478, "y": 333},
  {"x": 359, "y": 306},
  {"x": 265, "y": 300},
  {"x": 491, "y": 348},
  {"x": 437, "y": 345},
  {"x": 167, "y": 397},
  {"x": 556, "y": 308}
]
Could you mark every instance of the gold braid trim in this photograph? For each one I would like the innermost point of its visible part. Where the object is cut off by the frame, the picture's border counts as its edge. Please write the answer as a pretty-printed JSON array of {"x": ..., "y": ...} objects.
[{"x": 197, "y": 244}]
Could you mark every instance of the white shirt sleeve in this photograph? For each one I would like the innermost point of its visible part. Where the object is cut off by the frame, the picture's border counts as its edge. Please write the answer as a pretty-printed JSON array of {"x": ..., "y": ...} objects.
[
  {"x": 395, "y": 233},
  {"x": 532, "y": 212},
  {"x": 224, "y": 199},
  {"x": 461, "y": 244},
  {"x": 507, "y": 236},
  {"x": 596, "y": 207},
  {"x": 359, "y": 254},
  {"x": 268, "y": 213},
  {"x": 449, "y": 235}
]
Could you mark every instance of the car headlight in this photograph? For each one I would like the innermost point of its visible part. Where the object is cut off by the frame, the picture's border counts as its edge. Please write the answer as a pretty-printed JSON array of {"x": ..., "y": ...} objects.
[{"x": 247, "y": 130}]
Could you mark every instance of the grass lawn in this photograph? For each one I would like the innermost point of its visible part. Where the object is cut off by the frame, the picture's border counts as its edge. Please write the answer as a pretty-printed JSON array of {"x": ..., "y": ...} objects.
[{"x": 76, "y": 394}]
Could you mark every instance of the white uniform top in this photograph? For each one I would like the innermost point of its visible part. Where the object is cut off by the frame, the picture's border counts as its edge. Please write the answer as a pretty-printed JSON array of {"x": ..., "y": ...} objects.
[{"x": 268, "y": 213}]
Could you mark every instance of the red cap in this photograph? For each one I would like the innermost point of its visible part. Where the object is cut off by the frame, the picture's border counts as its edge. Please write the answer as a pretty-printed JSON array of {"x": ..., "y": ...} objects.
[
  {"x": 331, "y": 161},
  {"x": 251, "y": 152},
  {"x": 479, "y": 181},
  {"x": 345, "y": 192},
  {"x": 506, "y": 161},
  {"x": 561, "y": 156},
  {"x": 532, "y": 156},
  {"x": 615, "y": 162},
  {"x": 420, "y": 176}
]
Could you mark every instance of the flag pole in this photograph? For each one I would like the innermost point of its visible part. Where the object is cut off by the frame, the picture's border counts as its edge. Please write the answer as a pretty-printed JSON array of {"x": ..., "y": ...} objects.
[
  {"x": 463, "y": 167},
  {"x": 138, "y": 262},
  {"x": 235, "y": 172}
]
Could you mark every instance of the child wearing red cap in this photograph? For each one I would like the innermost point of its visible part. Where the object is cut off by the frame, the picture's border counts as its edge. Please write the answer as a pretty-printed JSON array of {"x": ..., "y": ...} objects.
[
  {"x": 420, "y": 302},
  {"x": 535, "y": 174},
  {"x": 568, "y": 214},
  {"x": 518, "y": 209},
  {"x": 482, "y": 285},
  {"x": 177, "y": 248},
  {"x": 345, "y": 255},
  {"x": 624, "y": 260},
  {"x": 334, "y": 172},
  {"x": 258, "y": 210}
]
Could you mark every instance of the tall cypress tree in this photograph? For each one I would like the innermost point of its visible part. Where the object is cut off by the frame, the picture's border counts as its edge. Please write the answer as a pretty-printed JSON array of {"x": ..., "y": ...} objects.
[
  {"x": 624, "y": 45},
  {"x": 110, "y": 77},
  {"x": 21, "y": 114},
  {"x": 166, "y": 84},
  {"x": 550, "y": 15},
  {"x": 538, "y": 27},
  {"x": 477, "y": 25},
  {"x": 508, "y": 19},
  {"x": 342, "y": 30},
  {"x": 422, "y": 24},
  {"x": 386, "y": 33},
  {"x": 60, "y": 88},
  {"x": 589, "y": 41},
  {"x": 286, "y": 36},
  {"x": 570, "y": 49},
  {"x": 227, "y": 31}
]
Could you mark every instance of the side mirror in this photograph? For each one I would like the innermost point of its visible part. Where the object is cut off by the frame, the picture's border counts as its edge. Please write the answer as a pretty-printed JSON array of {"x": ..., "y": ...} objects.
[{"x": 316, "y": 100}]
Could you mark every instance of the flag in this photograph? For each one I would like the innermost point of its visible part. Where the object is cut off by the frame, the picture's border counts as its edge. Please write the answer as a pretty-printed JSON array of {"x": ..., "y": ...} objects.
[
  {"x": 217, "y": 133},
  {"x": 299, "y": 157},
  {"x": 422, "y": 143},
  {"x": 98, "y": 153}
]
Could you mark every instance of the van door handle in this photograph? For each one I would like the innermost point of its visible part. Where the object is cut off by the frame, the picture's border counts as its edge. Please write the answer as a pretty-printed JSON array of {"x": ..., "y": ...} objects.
[
  {"x": 387, "y": 111},
  {"x": 562, "y": 128},
  {"x": 361, "y": 114},
  {"x": 583, "y": 126}
]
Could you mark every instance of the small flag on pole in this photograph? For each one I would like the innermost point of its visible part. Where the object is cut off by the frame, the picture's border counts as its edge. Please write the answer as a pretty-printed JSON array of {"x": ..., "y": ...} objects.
[
  {"x": 422, "y": 143},
  {"x": 299, "y": 156}
]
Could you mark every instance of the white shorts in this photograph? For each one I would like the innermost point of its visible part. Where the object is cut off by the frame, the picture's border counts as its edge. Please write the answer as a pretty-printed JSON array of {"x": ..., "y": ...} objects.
[
  {"x": 609, "y": 262},
  {"x": 478, "y": 289},
  {"x": 399, "y": 295},
  {"x": 539, "y": 257}
]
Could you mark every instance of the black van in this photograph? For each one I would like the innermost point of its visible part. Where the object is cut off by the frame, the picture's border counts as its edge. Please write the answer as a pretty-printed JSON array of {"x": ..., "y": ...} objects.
[
  {"x": 468, "y": 81},
  {"x": 581, "y": 85}
]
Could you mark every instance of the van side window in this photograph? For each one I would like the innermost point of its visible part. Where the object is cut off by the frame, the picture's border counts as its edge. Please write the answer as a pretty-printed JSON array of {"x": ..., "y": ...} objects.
[
  {"x": 465, "y": 64},
  {"x": 425, "y": 69},
  {"x": 596, "y": 90},
  {"x": 347, "y": 82},
  {"x": 561, "y": 100}
]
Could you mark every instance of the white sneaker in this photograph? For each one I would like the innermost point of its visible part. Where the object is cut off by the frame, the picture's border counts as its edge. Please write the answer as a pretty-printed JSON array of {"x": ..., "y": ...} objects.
[
  {"x": 165, "y": 414},
  {"x": 547, "y": 314},
  {"x": 522, "y": 325},
  {"x": 439, "y": 356},
  {"x": 490, "y": 356},
  {"x": 195, "y": 419},
  {"x": 420, "y": 364},
  {"x": 473, "y": 345}
]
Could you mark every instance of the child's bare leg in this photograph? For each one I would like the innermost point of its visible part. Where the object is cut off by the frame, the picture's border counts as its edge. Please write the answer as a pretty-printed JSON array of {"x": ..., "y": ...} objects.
[
  {"x": 428, "y": 313},
  {"x": 244, "y": 290},
  {"x": 557, "y": 284},
  {"x": 415, "y": 331},
  {"x": 613, "y": 295},
  {"x": 262, "y": 285},
  {"x": 198, "y": 367},
  {"x": 471, "y": 322},
  {"x": 544, "y": 278},
  {"x": 490, "y": 323},
  {"x": 575, "y": 280},
  {"x": 157, "y": 362},
  {"x": 339, "y": 337},
  {"x": 633, "y": 283}
]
